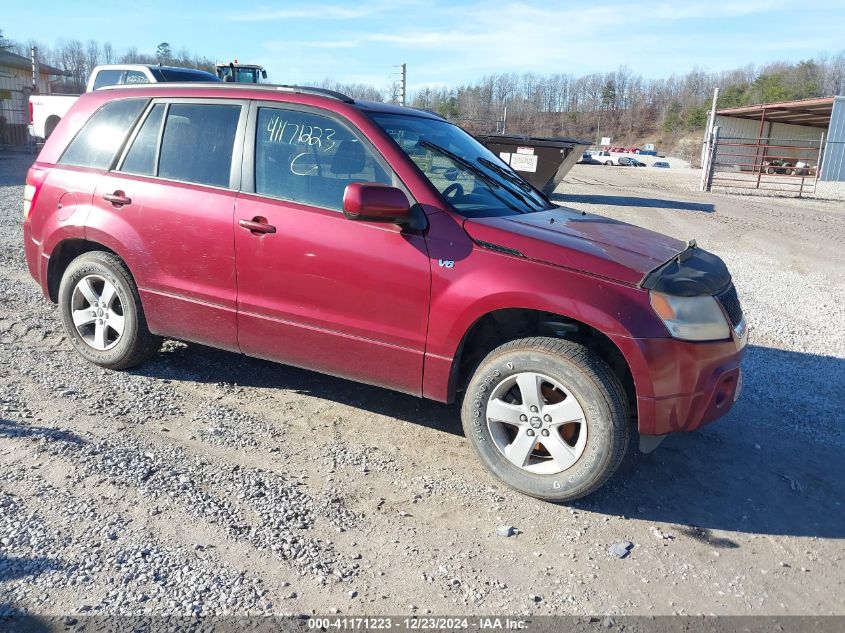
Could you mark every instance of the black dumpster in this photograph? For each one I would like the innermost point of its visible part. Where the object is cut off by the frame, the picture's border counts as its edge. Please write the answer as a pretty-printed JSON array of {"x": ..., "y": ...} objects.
[{"x": 541, "y": 161}]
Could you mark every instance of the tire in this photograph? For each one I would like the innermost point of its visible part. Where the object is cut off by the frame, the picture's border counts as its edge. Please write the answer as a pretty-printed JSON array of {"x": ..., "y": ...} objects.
[
  {"x": 561, "y": 370},
  {"x": 609, "y": 162},
  {"x": 50, "y": 125},
  {"x": 124, "y": 341}
]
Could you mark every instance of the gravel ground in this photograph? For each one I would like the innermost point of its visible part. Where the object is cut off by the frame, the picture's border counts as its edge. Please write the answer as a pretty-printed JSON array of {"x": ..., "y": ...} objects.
[{"x": 210, "y": 483}]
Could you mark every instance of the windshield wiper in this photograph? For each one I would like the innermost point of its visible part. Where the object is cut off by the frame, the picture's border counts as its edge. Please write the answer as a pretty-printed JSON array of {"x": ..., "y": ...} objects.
[
  {"x": 510, "y": 177},
  {"x": 463, "y": 162},
  {"x": 504, "y": 173},
  {"x": 460, "y": 160}
]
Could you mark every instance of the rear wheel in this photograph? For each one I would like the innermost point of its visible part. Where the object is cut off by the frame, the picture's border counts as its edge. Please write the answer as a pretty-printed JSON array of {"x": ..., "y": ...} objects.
[
  {"x": 547, "y": 417},
  {"x": 50, "y": 125},
  {"x": 102, "y": 314}
]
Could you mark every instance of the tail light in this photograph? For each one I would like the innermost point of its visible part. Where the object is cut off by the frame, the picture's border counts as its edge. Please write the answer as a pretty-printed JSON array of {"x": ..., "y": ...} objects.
[
  {"x": 34, "y": 179},
  {"x": 31, "y": 119}
]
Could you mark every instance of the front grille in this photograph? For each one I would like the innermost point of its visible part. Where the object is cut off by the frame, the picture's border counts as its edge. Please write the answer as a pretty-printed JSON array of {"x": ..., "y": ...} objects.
[{"x": 730, "y": 302}]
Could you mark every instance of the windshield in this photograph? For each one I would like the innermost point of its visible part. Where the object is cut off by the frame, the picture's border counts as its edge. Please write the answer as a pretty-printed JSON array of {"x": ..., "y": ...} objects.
[
  {"x": 469, "y": 176},
  {"x": 242, "y": 75}
]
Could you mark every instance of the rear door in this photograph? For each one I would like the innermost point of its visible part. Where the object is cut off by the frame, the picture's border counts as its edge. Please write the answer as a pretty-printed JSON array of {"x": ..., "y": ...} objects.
[
  {"x": 321, "y": 291},
  {"x": 170, "y": 203}
]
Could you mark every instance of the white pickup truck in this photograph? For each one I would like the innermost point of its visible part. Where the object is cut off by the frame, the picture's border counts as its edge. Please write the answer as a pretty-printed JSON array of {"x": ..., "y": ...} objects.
[
  {"x": 603, "y": 156},
  {"x": 45, "y": 111}
]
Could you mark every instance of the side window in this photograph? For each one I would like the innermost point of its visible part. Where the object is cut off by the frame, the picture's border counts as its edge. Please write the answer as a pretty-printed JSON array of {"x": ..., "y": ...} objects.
[
  {"x": 141, "y": 158},
  {"x": 107, "y": 78},
  {"x": 310, "y": 158},
  {"x": 197, "y": 143},
  {"x": 102, "y": 136},
  {"x": 135, "y": 77}
]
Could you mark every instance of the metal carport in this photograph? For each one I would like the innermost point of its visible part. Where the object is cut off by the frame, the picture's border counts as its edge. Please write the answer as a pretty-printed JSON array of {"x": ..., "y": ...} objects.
[{"x": 784, "y": 146}]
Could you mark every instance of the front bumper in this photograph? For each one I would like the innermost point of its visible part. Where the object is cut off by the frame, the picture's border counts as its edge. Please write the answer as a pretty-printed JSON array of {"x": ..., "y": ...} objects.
[{"x": 681, "y": 386}]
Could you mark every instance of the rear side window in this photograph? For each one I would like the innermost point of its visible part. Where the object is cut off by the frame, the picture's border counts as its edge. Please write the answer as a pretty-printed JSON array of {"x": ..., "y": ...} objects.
[
  {"x": 185, "y": 74},
  {"x": 135, "y": 77},
  {"x": 141, "y": 158},
  {"x": 197, "y": 143},
  {"x": 101, "y": 137},
  {"x": 107, "y": 78}
]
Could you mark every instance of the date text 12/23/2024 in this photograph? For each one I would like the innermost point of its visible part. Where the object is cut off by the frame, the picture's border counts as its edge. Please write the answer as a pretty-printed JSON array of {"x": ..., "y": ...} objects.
[{"x": 432, "y": 623}]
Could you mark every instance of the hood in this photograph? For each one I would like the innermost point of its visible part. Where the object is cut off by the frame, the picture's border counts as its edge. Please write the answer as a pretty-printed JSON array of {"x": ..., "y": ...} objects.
[{"x": 586, "y": 242}]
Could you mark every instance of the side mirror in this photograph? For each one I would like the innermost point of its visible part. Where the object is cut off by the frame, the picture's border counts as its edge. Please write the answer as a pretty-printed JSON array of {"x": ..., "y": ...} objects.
[
  {"x": 376, "y": 203},
  {"x": 263, "y": 74}
]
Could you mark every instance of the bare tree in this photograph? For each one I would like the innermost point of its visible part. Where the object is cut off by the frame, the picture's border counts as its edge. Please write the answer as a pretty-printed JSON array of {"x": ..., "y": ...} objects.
[
  {"x": 92, "y": 55},
  {"x": 109, "y": 56},
  {"x": 625, "y": 105},
  {"x": 72, "y": 58}
]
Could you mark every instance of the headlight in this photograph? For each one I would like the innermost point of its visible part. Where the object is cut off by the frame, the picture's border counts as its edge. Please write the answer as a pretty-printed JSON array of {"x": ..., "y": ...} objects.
[{"x": 691, "y": 318}]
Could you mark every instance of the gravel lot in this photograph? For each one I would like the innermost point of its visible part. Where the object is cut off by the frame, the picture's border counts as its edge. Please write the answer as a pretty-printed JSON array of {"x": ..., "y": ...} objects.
[{"x": 208, "y": 483}]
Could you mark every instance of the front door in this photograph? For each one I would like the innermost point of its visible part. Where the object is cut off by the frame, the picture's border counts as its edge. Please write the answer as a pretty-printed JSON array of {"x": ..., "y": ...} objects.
[{"x": 316, "y": 289}]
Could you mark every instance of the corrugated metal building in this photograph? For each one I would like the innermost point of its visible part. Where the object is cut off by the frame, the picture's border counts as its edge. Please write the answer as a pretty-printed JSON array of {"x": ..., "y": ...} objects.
[
  {"x": 797, "y": 129},
  {"x": 833, "y": 165}
]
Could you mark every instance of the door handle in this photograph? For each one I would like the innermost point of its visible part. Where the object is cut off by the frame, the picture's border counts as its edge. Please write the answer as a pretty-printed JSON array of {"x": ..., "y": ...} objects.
[
  {"x": 257, "y": 226},
  {"x": 118, "y": 198}
]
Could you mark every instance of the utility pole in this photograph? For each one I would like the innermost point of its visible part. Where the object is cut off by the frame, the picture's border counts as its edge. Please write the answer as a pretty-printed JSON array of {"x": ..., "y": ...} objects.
[
  {"x": 404, "y": 85},
  {"x": 33, "y": 57}
]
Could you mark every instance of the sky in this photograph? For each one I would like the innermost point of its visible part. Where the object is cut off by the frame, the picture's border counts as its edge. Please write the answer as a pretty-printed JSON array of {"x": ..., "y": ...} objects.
[{"x": 449, "y": 42}]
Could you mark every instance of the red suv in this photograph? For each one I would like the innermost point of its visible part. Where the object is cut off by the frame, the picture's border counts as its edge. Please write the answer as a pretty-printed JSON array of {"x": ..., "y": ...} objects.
[{"x": 385, "y": 245}]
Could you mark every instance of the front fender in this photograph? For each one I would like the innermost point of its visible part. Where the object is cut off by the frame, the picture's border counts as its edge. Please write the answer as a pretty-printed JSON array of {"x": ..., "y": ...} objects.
[{"x": 482, "y": 281}]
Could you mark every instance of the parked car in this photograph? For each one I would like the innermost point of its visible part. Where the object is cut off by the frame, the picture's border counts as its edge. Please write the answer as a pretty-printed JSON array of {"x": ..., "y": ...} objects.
[
  {"x": 587, "y": 159},
  {"x": 661, "y": 163},
  {"x": 603, "y": 157},
  {"x": 302, "y": 226},
  {"x": 45, "y": 111},
  {"x": 627, "y": 161}
]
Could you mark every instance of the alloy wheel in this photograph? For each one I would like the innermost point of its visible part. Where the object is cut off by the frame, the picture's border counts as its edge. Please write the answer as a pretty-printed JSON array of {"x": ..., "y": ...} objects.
[
  {"x": 97, "y": 312},
  {"x": 536, "y": 423}
]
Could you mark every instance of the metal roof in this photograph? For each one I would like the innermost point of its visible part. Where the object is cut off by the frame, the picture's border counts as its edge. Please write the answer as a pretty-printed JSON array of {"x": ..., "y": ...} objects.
[
  {"x": 811, "y": 112},
  {"x": 17, "y": 61}
]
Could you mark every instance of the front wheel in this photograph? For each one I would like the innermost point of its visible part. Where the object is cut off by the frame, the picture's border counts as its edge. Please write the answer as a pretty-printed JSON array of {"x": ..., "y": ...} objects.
[
  {"x": 547, "y": 417},
  {"x": 102, "y": 314}
]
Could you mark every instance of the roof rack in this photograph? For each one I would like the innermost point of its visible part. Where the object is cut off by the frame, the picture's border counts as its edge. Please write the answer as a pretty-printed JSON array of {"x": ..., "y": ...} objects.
[{"x": 306, "y": 90}]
